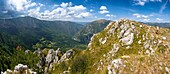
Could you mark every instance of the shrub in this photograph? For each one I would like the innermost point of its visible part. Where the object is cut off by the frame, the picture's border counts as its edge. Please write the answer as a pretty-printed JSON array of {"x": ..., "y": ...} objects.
[{"x": 79, "y": 65}]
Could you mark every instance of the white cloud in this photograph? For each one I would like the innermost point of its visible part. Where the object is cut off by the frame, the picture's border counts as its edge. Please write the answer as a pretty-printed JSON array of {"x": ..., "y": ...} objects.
[
  {"x": 19, "y": 5},
  {"x": 158, "y": 19},
  {"x": 77, "y": 8},
  {"x": 144, "y": 16},
  {"x": 103, "y": 10},
  {"x": 143, "y": 2},
  {"x": 83, "y": 15},
  {"x": 65, "y": 4},
  {"x": 66, "y": 11},
  {"x": 110, "y": 15},
  {"x": 140, "y": 3},
  {"x": 163, "y": 7},
  {"x": 146, "y": 20},
  {"x": 63, "y": 11},
  {"x": 91, "y": 10},
  {"x": 140, "y": 16}
]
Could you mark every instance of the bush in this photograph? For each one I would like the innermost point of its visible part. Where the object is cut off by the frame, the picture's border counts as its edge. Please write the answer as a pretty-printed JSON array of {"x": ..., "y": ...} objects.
[{"x": 79, "y": 65}]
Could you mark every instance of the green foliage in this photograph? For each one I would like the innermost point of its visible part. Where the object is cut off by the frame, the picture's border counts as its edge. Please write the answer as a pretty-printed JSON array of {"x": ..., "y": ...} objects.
[
  {"x": 18, "y": 57},
  {"x": 79, "y": 65},
  {"x": 59, "y": 68},
  {"x": 29, "y": 59},
  {"x": 43, "y": 43}
]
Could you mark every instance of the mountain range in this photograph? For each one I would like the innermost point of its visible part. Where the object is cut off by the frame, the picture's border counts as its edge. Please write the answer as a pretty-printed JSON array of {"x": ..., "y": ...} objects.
[
  {"x": 110, "y": 47},
  {"x": 26, "y": 31}
]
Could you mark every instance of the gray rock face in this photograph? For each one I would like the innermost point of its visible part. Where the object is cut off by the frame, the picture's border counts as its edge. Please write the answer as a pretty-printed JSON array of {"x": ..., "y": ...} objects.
[
  {"x": 50, "y": 56},
  {"x": 128, "y": 40},
  {"x": 126, "y": 34},
  {"x": 56, "y": 55},
  {"x": 49, "y": 60},
  {"x": 67, "y": 55},
  {"x": 38, "y": 52},
  {"x": 125, "y": 31},
  {"x": 114, "y": 66},
  {"x": 53, "y": 57},
  {"x": 21, "y": 67}
]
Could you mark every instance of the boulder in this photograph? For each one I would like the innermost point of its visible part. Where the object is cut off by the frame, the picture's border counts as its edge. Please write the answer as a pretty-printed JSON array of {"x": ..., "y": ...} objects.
[
  {"x": 20, "y": 67},
  {"x": 56, "y": 55},
  {"x": 50, "y": 56},
  {"x": 27, "y": 51},
  {"x": 117, "y": 63},
  {"x": 49, "y": 60},
  {"x": 115, "y": 47},
  {"x": 102, "y": 40},
  {"x": 128, "y": 40},
  {"x": 67, "y": 55},
  {"x": 111, "y": 70}
]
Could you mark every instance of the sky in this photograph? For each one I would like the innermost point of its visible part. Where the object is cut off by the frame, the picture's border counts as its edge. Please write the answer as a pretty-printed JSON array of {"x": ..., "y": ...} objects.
[{"x": 87, "y": 10}]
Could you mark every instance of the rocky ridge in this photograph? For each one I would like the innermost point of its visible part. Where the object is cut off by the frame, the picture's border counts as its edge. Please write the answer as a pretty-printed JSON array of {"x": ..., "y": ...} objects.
[{"x": 114, "y": 48}]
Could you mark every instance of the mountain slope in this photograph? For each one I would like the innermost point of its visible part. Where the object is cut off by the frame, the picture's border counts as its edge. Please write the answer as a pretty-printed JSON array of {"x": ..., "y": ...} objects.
[
  {"x": 27, "y": 31},
  {"x": 91, "y": 28},
  {"x": 126, "y": 47},
  {"x": 165, "y": 25},
  {"x": 120, "y": 41}
]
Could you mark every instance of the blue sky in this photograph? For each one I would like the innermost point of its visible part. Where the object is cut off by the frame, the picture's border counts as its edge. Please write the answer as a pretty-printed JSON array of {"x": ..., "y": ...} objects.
[{"x": 87, "y": 10}]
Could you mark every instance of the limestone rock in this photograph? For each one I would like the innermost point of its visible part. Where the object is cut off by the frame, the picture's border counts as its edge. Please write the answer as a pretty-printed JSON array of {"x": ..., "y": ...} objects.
[
  {"x": 56, "y": 55},
  {"x": 50, "y": 57},
  {"x": 117, "y": 63},
  {"x": 115, "y": 47},
  {"x": 128, "y": 40},
  {"x": 27, "y": 51},
  {"x": 67, "y": 55},
  {"x": 20, "y": 67},
  {"x": 111, "y": 70},
  {"x": 102, "y": 40}
]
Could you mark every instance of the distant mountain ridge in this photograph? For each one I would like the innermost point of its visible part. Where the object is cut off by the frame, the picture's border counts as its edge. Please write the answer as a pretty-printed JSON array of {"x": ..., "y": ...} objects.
[
  {"x": 91, "y": 28},
  {"x": 165, "y": 25},
  {"x": 27, "y": 30}
]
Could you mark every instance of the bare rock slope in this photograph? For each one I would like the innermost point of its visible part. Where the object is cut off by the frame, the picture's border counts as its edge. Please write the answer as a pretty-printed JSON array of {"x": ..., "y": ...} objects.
[{"x": 129, "y": 47}]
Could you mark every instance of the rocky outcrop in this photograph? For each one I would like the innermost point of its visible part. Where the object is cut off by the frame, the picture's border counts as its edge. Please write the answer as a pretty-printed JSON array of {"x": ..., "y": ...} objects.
[
  {"x": 54, "y": 57},
  {"x": 57, "y": 55},
  {"x": 114, "y": 66},
  {"x": 19, "y": 69},
  {"x": 67, "y": 55},
  {"x": 124, "y": 41}
]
